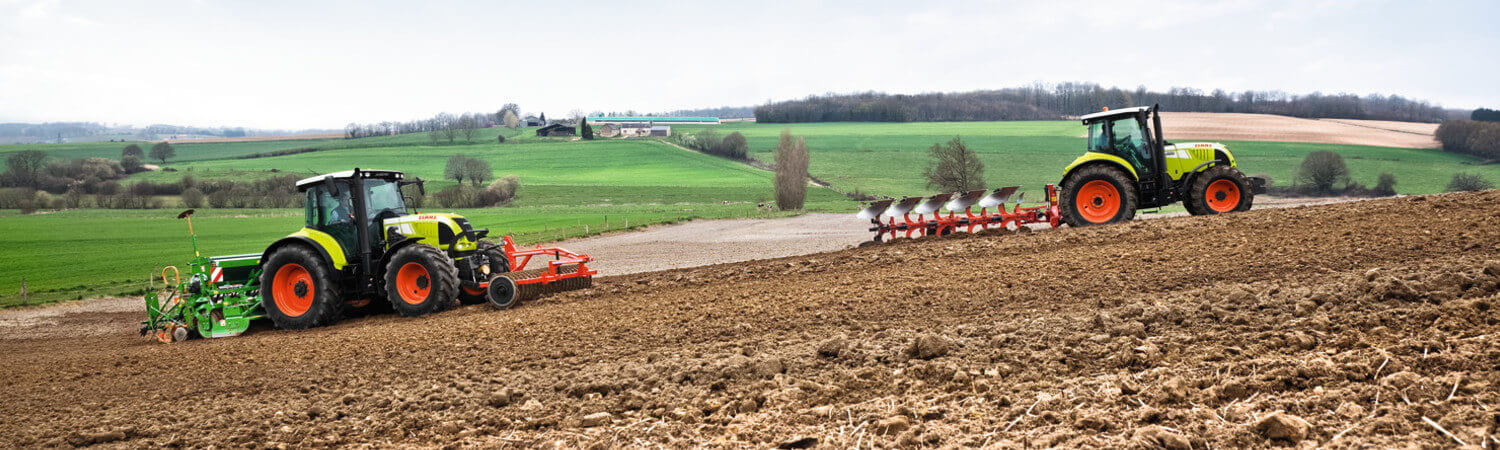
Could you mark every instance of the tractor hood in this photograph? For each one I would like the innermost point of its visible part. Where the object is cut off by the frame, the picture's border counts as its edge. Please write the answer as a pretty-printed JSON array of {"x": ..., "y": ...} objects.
[{"x": 445, "y": 231}]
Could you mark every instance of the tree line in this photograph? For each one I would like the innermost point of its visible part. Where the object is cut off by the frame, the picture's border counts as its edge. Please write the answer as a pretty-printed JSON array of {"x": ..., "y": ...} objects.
[
  {"x": 442, "y": 126},
  {"x": 1471, "y": 137},
  {"x": 1051, "y": 102}
]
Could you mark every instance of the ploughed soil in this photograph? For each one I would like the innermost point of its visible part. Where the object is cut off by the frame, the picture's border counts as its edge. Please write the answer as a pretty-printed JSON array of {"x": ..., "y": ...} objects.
[
  {"x": 1362, "y": 323},
  {"x": 1267, "y": 127}
]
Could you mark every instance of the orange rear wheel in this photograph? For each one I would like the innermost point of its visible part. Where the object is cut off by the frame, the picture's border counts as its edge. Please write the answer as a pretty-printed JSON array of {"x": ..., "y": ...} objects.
[
  {"x": 413, "y": 283},
  {"x": 1098, "y": 201},
  {"x": 293, "y": 290},
  {"x": 1222, "y": 196}
]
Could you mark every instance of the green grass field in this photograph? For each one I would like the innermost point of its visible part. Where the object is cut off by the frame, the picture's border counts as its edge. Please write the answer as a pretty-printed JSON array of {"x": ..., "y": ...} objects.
[
  {"x": 888, "y": 158},
  {"x": 569, "y": 185}
]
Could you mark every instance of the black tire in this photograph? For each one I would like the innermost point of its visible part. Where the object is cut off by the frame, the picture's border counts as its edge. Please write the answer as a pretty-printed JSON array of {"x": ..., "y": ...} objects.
[
  {"x": 504, "y": 293},
  {"x": 420, "y": 280},
  {"x": 305, "y": 295},
  {"x": 1201, "y": 200},
  {"x": 1124, "y": 189},
  {"x": 498, "y": 264}
]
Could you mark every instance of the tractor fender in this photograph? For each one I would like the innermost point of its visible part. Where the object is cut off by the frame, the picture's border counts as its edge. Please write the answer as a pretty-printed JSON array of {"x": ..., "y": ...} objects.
[
  {"x": 398, "y": 245},
  {"x": 1187, "y": 178},
  {"x": 303, "y": 241},
  {"x": 1093, "y": 158}
]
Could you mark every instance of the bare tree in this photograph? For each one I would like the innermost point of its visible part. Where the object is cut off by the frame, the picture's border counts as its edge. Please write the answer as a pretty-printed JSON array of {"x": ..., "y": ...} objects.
[
  {"x": 509, "y": 119},
  {"x": 456, "y": 168},
  {"x": 954, "y": 167},
  {"x": 447, "y": 125},
  {"x": 24, "y": 166},
  {"x": 791, "y": 172},
  {"x": 477, "y": 171},
  {"x": 468, "y": 125}
]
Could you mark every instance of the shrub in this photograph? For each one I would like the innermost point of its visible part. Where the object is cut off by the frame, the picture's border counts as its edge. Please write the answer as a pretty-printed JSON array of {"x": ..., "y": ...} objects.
[
  {"x": 457, "y": 196},
  {"x": 219, "y": 199},
  {"x": 504, "y": 189},
  {"x": 500, "y": 139},
  {"x": 73, "y": 198},
  {"x": 132, "y": 164},
  {"x": 132, "y": 150},
  {"x": 791, "y": 172},
  {"x": 1468, "y": 182},
  {"x": 1385, "y": 184},
  {"x": 733, "y": 146},
  {"x": 954, "y": 167},
  {"x": 705, "y": 140},
  {"x": 11, "y": 198},
  {"x": 192, "y": 198},
  {"x": 1321, "y": 170}
]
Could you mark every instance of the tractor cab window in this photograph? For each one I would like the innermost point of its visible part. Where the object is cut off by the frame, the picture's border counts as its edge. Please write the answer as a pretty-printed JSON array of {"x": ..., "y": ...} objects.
[
  {"x": 385, "y": 199},
  {"x": 1123, "y": 137},
  {"x": 333, "y": 209}
]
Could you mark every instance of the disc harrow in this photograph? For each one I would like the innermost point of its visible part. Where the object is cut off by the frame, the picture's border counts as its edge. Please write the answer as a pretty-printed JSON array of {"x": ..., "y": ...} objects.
[
  {"x": 565, "y": 272},
  {"x": 920, "y": 216}
]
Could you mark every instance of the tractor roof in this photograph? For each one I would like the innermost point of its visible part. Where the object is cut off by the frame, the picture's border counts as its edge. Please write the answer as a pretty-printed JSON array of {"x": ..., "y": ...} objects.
[
  {"x": 386, "y": 174},
  {"x": 1112, "y": 113}
]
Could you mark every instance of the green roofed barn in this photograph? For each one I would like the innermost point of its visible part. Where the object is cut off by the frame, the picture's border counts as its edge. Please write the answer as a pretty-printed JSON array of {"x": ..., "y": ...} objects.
[{"x": 655, "y": 120}]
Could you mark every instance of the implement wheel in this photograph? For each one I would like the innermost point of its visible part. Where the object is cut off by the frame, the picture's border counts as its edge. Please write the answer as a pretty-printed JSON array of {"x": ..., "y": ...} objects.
[
  {"x": 420, "y": 280},
  {"x": 1097, "y": 194},
  {"x": 1218, "y": 190},
  {"x": 498, "y": 264},
  {"x": 297, "y": 291}
]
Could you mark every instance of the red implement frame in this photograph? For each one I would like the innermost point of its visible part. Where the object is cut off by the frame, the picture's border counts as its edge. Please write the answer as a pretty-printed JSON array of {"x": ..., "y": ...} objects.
[
  {"x": 560, "y": 257},
  {"x": 971, "y": 221}
]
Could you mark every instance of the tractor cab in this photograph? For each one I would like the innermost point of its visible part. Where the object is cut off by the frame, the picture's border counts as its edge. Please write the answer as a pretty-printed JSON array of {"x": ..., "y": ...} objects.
[
  {"x": 1127, "y": 134},
  {"x": 350, "y": 206}
]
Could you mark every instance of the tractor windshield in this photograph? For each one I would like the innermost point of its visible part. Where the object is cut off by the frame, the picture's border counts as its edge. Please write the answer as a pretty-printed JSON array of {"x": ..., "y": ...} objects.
[{"x": 384, "y": 195}]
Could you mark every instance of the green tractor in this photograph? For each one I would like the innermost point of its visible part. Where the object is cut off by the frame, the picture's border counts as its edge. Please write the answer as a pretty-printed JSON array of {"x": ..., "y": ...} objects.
[
  {"x": 360, "y": 247},
  {"x": 1130, "y": 166}
]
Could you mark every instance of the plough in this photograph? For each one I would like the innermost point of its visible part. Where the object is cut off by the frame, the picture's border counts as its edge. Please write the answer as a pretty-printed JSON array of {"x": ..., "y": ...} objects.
[{"x": 919, "y": 216}]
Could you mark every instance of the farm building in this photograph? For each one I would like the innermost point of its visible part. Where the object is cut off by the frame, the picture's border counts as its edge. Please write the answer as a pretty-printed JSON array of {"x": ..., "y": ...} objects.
[
  {"x": 655, "y": 120},
  {"x": 608, "y": 130},
  {"x": 661, "y": 131},
  {"x": 556, "y": 129},
  {"x": 532, "y": 121}
]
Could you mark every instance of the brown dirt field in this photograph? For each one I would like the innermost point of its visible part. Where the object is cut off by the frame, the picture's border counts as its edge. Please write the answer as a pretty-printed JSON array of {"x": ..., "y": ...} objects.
[
  {"x": 1265, "y": 127},
  {"x": 281, "y": 137},
  {"x": 1341, "y": 325}
]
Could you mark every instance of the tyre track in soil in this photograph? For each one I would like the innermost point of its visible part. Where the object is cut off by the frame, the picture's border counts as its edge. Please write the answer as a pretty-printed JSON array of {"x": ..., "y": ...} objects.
[{"x": 1355, "y": 321}]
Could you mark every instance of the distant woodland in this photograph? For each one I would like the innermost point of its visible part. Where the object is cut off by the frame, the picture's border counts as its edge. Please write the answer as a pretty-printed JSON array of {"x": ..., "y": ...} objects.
[{"x": 1048, "y": 102}]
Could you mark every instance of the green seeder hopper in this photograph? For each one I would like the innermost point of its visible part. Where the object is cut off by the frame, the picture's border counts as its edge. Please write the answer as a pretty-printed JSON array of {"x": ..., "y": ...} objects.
[{"x": 360, "y": 248}]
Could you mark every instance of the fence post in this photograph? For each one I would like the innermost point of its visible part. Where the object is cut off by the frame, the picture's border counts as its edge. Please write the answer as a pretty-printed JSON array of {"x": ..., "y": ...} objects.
[{"x": 25, "y": 296}]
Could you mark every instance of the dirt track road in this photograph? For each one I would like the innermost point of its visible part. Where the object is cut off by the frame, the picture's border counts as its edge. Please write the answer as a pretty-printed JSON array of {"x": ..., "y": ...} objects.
[{"x": 1337, "y": 325}]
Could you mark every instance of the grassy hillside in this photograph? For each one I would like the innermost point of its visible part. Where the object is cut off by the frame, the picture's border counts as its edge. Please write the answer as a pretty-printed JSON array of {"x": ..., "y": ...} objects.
[{"x": 888, "y": 158}]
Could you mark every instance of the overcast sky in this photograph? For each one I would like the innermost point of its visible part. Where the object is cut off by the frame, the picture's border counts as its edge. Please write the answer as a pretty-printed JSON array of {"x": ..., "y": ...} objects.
[{"x": 311, "y": 64}]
